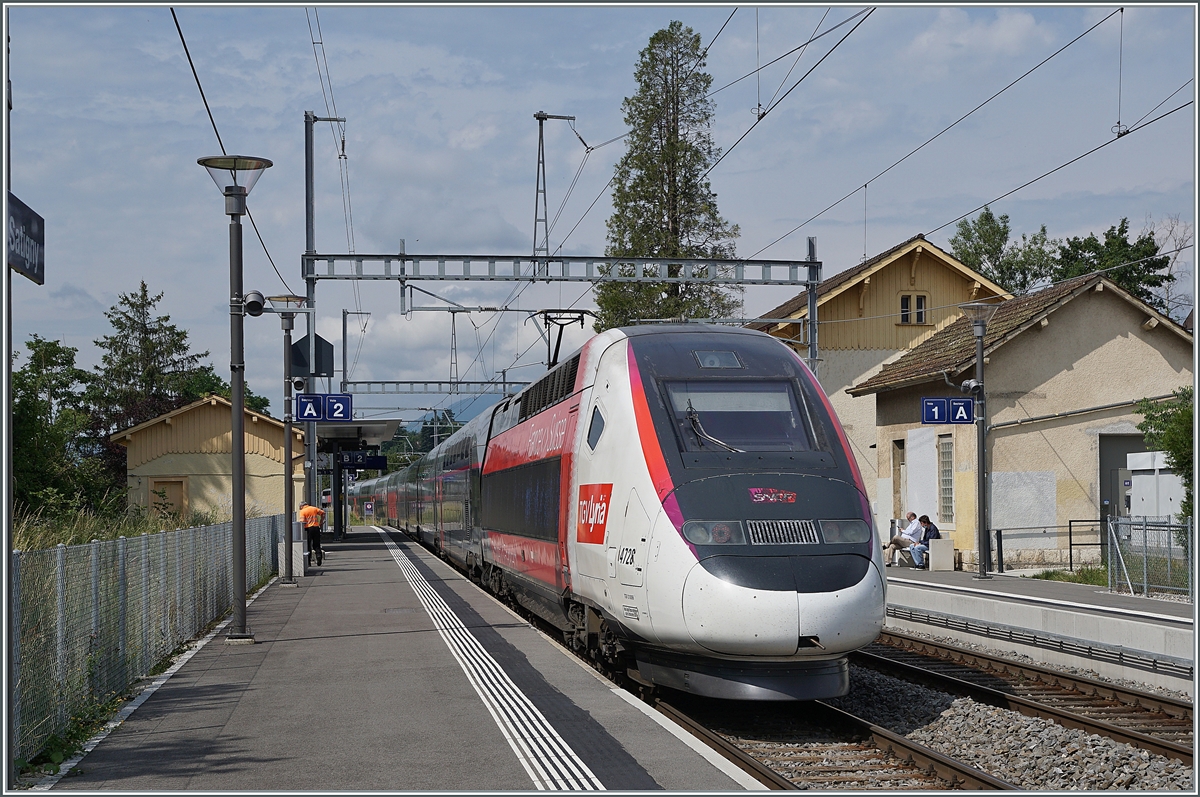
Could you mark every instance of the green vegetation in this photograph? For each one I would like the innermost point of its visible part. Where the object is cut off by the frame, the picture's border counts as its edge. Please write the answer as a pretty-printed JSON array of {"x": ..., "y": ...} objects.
[
  {"x": 983, "y": 244},
  {"x": 663, "y": 203},
  {"x": 69, "y": 477},
  {"x": 1096, "y": 576},
  {"x": 1168, "y": 426},
  {"x": 59, "y": 748}
]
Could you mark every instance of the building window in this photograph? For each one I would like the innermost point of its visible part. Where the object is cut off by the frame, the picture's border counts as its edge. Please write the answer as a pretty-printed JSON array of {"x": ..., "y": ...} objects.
[
  {"x": 913, "y": 308},
  {"x": 946, "y": 478}
]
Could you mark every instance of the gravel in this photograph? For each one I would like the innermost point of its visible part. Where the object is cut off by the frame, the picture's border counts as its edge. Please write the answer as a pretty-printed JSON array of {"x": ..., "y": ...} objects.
[
  {"x": 1029, "y": 752},
  {"x": 1078, "y": 671}
]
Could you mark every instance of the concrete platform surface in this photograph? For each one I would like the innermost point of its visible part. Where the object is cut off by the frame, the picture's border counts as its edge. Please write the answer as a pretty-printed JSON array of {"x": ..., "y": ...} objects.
[
  {"x": 387, "y": 670},
  {"x": 1060, "y": 623}
]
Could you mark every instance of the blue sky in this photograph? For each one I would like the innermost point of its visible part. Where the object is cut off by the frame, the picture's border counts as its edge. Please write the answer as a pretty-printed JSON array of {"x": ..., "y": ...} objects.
[{"x": 441, "y": 148}]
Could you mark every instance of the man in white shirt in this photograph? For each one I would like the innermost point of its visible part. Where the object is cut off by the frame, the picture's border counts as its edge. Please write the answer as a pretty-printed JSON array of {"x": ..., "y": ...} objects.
[{"x": 910, "y": 536}]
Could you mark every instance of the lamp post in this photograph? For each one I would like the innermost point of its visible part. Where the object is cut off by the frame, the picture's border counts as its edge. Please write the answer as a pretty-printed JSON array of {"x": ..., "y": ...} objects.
[
  {"x": 235, "y": 175},
  {"x": 286, "y": 307},
  {"x": 980, "y": 314}
]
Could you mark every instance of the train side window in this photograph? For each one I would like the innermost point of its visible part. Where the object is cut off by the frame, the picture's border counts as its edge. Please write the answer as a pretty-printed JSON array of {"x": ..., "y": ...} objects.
[{"x": 595, "y": 428}]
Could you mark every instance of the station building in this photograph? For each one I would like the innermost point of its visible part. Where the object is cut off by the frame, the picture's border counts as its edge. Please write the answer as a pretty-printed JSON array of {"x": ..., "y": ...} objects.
[
  {"x": 869, "y": 315},
  {"x": 181, "y": 461},
  {"x": 1063, "y": 370}
]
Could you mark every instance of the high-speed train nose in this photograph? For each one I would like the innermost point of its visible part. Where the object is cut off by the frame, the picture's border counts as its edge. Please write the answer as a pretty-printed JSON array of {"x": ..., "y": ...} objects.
[{"x": 727, "y": 612}]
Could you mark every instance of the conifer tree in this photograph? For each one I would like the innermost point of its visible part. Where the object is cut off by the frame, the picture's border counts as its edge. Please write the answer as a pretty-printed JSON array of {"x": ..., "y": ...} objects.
[{"x": 663, "y": 203}]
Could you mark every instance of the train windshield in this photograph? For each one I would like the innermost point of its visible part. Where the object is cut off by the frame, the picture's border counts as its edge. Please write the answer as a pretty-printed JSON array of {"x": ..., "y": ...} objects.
[{"x": 739, "y": 416}]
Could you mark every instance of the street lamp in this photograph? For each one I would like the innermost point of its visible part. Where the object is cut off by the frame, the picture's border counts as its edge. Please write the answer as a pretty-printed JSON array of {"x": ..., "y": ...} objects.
[
  {"x": 980, "y": 313},
  {"x": 235, "y": 175},
  {"x": 286, "y": 306}
]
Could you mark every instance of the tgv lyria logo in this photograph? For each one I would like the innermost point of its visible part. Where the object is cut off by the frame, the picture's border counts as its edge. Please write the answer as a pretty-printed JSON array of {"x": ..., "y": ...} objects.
[{"x": 593, "y": 513}]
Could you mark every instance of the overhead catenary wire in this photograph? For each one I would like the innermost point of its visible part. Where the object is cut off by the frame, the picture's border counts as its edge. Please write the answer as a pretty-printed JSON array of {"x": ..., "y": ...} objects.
[
  {"x": 221, "y": 144},
  {"x": 934, "y": 137},
  {"x": 1131, "y": 131},
  {"x": 803, "y": 48}
]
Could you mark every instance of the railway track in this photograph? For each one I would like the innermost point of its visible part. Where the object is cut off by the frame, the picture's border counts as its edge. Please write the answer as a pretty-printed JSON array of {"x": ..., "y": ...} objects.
[
  {"x": 1156, "y": 723},
  {"x": 816, "y": 746}
]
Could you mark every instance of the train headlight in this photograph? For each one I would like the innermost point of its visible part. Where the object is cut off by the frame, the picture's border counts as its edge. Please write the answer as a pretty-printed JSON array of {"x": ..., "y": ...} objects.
[
  {"x": 835, "y": 531},
  {"x": 714, "y": 532}
]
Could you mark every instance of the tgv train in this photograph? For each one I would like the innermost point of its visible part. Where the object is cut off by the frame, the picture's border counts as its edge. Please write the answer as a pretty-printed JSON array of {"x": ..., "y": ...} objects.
[{"x": 680, "y": 501}]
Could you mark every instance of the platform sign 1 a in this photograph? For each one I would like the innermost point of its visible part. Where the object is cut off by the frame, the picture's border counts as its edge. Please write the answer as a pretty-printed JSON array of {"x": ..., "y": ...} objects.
[
  {"x": 339, "y": 407},
  {"x": 310, "y": 407},
  {"x": 947, "y": 410}
]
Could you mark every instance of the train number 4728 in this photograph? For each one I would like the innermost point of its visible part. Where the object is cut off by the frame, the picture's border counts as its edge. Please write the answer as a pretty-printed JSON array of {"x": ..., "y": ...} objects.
[{"x": 625, "y": 556}]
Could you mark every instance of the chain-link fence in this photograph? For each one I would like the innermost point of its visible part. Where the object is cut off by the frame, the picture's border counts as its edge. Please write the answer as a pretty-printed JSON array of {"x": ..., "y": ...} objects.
[
  {"x": 92, "y": 619},
  {"x": 1149, "y": 554}
]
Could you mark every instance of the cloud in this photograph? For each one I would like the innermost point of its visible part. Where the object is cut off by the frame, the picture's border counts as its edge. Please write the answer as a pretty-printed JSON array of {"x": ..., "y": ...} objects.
[{"x": 961, "y": 37}]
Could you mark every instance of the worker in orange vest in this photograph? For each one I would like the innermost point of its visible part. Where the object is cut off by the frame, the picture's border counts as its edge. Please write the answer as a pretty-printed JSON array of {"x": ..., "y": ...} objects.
[{"x": 312, "y": 519}]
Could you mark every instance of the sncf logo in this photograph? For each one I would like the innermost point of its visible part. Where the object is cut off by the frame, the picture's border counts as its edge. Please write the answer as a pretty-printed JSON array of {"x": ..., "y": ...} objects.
[
  {"x": 769, "y": 495},
  {"x": 593, "y": 512}
]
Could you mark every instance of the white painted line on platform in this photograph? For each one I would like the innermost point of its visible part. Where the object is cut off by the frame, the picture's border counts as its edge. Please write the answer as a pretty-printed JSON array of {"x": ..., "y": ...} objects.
[
  {"x": 1166, "y": 618},
  {"x": 47, "y": 783},
  {"x": 546, "y": 757}
]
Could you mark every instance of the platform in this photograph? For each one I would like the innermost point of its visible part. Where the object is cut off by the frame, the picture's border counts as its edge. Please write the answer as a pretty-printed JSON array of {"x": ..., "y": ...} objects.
[
  {"x": 387, "y": 670},
  {"x": 1059, "y": 623}
]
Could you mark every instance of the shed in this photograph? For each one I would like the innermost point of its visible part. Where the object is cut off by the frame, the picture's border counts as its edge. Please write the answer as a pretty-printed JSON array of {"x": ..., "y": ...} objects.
[{"x": 181, "y": 461}]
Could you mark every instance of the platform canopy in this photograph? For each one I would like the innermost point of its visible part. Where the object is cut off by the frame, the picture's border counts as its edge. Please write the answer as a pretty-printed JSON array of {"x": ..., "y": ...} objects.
[{"x": 349, "y": 435}]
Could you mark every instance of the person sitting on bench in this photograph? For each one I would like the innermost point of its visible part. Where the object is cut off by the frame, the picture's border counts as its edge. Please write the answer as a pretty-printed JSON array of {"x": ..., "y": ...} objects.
[
  {"x": 928, "y": 532},
  {"x": 910, "y": 536}
]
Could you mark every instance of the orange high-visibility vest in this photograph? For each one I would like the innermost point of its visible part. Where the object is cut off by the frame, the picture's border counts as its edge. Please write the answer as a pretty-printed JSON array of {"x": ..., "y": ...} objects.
[{"x": 311, "y": 516}]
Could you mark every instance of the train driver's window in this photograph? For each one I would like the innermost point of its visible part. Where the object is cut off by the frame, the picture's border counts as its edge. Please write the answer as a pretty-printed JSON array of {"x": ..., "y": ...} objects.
[{"x": 595, "y": 428}]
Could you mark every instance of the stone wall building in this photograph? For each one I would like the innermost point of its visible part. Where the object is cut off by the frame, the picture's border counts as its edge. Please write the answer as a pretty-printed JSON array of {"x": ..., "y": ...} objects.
[{"x": 1064, "y": 369}]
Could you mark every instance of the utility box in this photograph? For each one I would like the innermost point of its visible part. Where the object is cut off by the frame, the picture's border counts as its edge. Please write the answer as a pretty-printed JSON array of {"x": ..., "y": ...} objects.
[
  {"x": 1155, "y": 490},
  {"x": 941, "y": 554}
]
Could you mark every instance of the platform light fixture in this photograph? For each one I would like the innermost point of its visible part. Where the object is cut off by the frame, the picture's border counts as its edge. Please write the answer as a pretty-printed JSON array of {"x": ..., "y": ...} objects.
[
  {"x": 980, "y": 314},
  {"x": 235, "y": 175}
]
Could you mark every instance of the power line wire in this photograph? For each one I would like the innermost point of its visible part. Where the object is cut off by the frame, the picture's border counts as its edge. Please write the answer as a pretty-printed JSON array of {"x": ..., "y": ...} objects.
[
  {"x": 1131, "y": 131},
  {"x": 217, "y": 133},
  {"x": 936, "y": 136}
]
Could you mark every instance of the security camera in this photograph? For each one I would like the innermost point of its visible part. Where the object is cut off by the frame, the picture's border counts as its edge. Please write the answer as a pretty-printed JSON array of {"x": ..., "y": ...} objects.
[
  {"x": 972, "y": 386},
  {"x": 298, "y": 383},
  {"x": 253, "y": 302}
]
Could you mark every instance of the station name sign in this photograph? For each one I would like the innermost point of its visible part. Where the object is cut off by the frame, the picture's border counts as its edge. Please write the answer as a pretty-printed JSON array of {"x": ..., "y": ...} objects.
[{"x": 26, "y": 241}]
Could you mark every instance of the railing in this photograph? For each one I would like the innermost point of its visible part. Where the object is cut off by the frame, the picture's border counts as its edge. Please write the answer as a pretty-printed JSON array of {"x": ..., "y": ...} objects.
[
  {"x": 90, "y": 620},
  {"x": 1027, "y": 547},
  {"x": 1150, "y": 554}
]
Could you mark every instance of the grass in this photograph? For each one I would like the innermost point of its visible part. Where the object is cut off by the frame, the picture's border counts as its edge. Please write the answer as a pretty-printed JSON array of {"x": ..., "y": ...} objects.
[
  {"x": 39, "y": 532},
  {"x": 59, "y": 748},
  {"x": 1096, "y": 576}
]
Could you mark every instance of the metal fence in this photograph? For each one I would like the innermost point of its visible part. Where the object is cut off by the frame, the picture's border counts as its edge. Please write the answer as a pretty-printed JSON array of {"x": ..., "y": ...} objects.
[
  {"x": 1148, "y": 555},
  {"x": 90, "y": 620}
]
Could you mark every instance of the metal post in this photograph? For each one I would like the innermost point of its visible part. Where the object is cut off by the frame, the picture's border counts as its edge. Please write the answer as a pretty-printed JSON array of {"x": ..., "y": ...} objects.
[
  {"x": 1145, "y": 558},
  {"x": 310, "y": 433},
  {"x": 235, "y": 206},
  {"x": 94, "y": 673},
  {"x": 985, "y": 555},
  {"x": 814, "y": 277},
  {"x": 289, "y": 499},
  {"x": 122, "y": 610},
  {"x": 144, "y": 654},
  {"x": 60, "y": 634},
  {"x": 999, "y": 550}
]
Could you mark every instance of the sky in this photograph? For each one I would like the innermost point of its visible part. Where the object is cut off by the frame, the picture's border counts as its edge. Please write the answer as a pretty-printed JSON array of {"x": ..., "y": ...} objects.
[{"x": 441, "y": 151}]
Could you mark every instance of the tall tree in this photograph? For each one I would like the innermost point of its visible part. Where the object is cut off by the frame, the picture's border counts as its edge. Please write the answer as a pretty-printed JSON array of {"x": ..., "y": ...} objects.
[
  {"x": 983, "y": 245},
  {"x": 663, "y": 205},
  {"x": 1141, "y": 272},
  {"x": 204, "y": 381},
  {"x": 146, "y": 363}
]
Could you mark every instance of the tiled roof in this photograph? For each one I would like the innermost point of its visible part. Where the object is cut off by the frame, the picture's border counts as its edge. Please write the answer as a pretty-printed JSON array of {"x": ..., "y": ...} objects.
[
  {"x": 800, "y": 301},
  {"x": 953, "y": 349}
]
